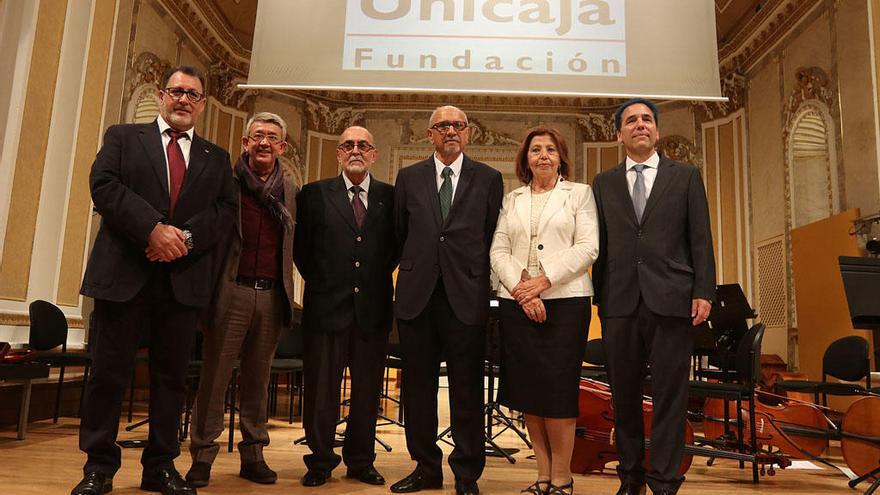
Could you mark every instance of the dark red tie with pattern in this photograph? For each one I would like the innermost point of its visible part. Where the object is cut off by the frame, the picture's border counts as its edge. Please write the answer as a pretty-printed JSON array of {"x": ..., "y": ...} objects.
[
  {"x": 176, "y": 168},
  {"x": 357, "y": 205}
]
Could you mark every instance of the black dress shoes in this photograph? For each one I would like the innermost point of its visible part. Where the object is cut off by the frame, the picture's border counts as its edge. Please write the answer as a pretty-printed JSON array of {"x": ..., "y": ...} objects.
[
  {"x": 367, "y": 475},
  {"x": 315, "y": 477},
  {"x": 415, "y": 482},
  {"x": 466, "y": 488},
  {"x": 167, "y": 482},
  {"x": 631, "y": 489},
  {"x": 258, "y": 472},
  {"x": 93, "y": 483},
  {"x": 199, "y": 474}
]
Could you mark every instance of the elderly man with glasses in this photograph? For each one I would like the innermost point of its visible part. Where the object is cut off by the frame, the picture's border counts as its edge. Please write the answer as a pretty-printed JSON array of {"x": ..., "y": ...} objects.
[
  {"x": 253, "y": 303},
  {"x": 345, "y": 253},
  {"x": 445, "y": 210}
]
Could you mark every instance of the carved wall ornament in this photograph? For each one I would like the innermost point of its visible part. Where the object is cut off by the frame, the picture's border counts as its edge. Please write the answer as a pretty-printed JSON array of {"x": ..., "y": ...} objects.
[
  {"x": 223, "y": 84},
  {"x": 812, "y": 84},
  {"x": 680, "y": 148},
  {"x": 483, "y": 136},
  {"x": 734, "y": 86},
  {"x": 323, "y": 118},
  {"x": 147, "y": 68},
  {"x": 598, "y": 126}
]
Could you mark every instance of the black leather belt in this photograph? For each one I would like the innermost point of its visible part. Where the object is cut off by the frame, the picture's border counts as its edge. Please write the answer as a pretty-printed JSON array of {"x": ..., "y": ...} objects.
[{"x": 256, "y": 283}]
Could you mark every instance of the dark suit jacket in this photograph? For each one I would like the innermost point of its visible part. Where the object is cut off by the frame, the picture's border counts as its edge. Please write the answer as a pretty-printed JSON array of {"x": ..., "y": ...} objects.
[
  {"x": 129, "y": 185},
  {"x": 668, "y": 257},
  {"x": 230, "y": 255},
  {"x": 347, "y": 269},
  {"x": 457, "y": 247}
]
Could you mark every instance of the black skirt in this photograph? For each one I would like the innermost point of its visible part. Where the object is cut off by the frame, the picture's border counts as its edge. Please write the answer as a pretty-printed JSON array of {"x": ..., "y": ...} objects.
[{"x": 541, "y": 362}]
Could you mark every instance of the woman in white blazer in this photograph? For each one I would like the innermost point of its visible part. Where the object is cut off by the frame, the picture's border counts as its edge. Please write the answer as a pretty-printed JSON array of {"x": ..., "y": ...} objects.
[{"x": 546, "y": 239}]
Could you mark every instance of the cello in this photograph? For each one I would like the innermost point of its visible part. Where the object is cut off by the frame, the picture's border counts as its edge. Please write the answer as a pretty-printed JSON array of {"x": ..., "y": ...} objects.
[
  {"x": 860, "y": 440},
  {"x": 594, "y": 442}
]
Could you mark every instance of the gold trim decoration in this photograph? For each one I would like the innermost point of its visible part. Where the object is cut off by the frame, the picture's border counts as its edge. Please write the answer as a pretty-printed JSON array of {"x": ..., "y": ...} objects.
[
  {"x": 598, "y": 126},
  {"x": 735, "y": 87}
]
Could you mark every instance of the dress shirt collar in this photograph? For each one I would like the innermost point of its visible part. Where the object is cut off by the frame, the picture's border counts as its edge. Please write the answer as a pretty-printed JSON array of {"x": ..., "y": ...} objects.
[
  {"x": 365, "y": 184},
  {"x": 653, "y": 162},
  {"x": 456, "y": 165},
  {"x": 163, "y": 127}
]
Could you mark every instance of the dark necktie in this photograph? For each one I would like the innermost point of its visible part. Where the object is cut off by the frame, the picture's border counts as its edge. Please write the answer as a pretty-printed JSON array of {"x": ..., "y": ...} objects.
[
  {"x": 176, "y": 168},
  {"x": 639, "y": 197},
  {"x": 357, "y": 205},
  {"x": 446, "y": 192}
]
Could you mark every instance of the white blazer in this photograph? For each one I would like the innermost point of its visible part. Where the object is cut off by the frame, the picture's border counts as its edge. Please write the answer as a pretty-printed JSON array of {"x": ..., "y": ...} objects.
[{"x": 568, "y": 240}]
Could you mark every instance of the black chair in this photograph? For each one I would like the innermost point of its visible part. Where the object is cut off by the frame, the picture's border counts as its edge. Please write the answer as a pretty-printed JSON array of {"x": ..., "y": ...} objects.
[
  {"x": 594, "y": 355},
  {"x": 748, "y": 371},
  {"x": 48, "y": 332},
  {"x": 288, "y": 361},
  {"x": 847, "y": 359}
]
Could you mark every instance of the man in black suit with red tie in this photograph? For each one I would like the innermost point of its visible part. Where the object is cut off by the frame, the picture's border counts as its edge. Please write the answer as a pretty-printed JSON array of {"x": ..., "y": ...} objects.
[
  {"x": 654, "y": 279},
  {"x": 165, "y": 196},
  {"x": 445, "y": 210},
  {"x": 344, "y": 249}
]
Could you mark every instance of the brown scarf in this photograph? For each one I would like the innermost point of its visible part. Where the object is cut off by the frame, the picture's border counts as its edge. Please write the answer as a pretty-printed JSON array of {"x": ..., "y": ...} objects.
[{"x": 269, "y": 193}]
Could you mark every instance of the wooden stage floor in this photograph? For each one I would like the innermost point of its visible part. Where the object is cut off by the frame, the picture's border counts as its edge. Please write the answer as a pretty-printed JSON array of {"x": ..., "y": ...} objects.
[{"x": 49, "y": 462}]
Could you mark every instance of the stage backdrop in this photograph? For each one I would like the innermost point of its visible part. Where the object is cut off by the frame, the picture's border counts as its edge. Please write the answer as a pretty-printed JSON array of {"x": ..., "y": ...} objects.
[{"x": 610, "y": 48}]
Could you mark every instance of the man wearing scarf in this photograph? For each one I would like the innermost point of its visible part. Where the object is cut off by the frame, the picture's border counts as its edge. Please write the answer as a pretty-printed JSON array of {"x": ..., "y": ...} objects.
[{"x": 252, "y": 304}]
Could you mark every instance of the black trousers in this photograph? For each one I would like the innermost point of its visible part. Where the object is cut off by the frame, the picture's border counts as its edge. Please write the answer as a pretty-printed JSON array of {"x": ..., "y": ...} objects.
[
  {"x": 435, "y": 335},
  {"x": 325, "y": 357},
  {"x": 665, "y": 344},
  {"x": 171, "y": 329}
]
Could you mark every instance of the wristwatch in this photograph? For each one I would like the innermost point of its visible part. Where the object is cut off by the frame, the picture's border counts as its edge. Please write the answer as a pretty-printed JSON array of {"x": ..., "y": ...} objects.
[{"x": 188, "y": 239}]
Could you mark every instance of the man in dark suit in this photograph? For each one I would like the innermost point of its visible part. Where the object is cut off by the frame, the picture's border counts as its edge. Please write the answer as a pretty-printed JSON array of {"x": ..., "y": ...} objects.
[
  {"x": 253, "y": 303},
  {"x": 655, "y": 277},
  {"x": 345, "y": 252},
  {"x": 445, "y": 209},
  {"x": 165, "y": 195}
]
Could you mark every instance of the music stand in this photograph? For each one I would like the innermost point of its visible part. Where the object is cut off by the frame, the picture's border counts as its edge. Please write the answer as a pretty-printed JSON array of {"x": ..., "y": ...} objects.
[
  {"x": 728, "y": 322},
  {"x": 861, "y": 282}
]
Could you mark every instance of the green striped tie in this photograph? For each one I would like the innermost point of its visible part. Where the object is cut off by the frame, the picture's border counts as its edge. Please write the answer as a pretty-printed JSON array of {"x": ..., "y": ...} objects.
[{"x": 446, "y": 192}]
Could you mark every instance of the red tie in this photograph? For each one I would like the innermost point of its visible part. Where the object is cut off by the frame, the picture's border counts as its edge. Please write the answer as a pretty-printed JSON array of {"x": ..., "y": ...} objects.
[
  {"x": 357, "y": 205},
  {"x": 176, "y": 167}
]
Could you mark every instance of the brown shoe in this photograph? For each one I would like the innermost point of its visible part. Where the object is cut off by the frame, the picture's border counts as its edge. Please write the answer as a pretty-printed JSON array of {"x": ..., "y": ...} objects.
[
  {"x": 258, "y": 472},
  {"x": 199, "y": 474}
]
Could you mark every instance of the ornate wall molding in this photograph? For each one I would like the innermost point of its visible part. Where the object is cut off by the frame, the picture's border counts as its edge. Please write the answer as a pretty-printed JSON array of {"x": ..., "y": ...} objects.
[
  {"x": 324, "y": 118},
  {"x": 224, "y": 81},
  {"x": 680, "y": 148},
  {"x": 209, "y": 32},
  {"x": 735, "y": 87},
  {"x": 23, "y": 320},
  {"x": 754, "y": 40},
  {"x": 598, "y": 126}
]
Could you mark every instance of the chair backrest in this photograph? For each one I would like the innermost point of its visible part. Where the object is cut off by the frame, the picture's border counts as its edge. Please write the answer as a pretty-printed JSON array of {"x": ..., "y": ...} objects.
[
  {"x": 290, "y": 345},
  {"x": 594, "y": 352},
  {"x": 748, "y": 355},
  {"x": 847, "y": 359},
  {"x": 48, "y": 326}
]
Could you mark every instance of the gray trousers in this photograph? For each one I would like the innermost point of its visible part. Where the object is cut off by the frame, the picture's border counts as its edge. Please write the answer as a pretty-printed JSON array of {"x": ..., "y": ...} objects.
[{"x": 251, "y": 328}]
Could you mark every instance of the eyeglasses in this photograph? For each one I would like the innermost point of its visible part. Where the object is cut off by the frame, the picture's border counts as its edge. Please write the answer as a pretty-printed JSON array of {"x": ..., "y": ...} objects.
[
  {"x": 177, "y": 93},
  {"x": 349, "y": 146},
  {"x": 258, "y": 138},
  {"x": 445, "y": 125}
]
